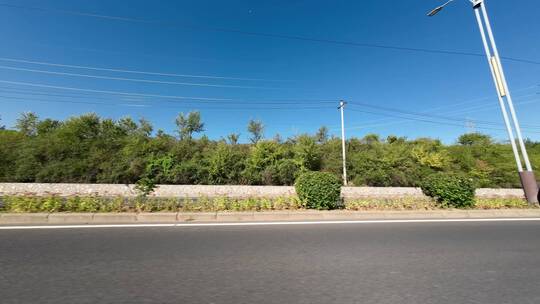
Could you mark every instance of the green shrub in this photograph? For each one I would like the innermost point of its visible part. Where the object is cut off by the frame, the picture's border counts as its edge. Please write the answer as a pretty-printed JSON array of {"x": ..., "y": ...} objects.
[
  {"x": 318, "y": 190},
  {"x": 405, "y": 203},
  {"x": 502, "y": 203},
  {"x": 22, "y": 204},
  {"x": 83, "y": 204},
  {"x": 89, "y": 204},
  {"x": 72, "y": 204},
  {"x": 51, "y": 204},
  {"x": 112, "y": 205},
  {"x": 145, "y": 186},
  {"x": 450, "y": 190}
]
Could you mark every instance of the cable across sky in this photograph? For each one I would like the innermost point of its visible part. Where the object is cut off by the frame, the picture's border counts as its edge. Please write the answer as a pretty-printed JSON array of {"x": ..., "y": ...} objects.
[{"x": 261, "y": 34}]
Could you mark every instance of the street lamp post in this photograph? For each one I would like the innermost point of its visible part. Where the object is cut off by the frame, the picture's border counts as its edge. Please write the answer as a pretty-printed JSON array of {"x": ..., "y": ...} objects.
[
  {"x": 343, "y": 148},
  {"x": 528, "y": 180}
]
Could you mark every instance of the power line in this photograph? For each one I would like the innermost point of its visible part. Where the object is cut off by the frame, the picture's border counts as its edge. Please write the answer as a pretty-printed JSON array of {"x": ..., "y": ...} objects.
[
  {"x": 131, "y": 79},
  {"x": 230, "y": 101},
  {"x": 406, "y": 120},
  {"x": 184, "y": 105},
  {"x": 251, "y": 33},
  {"x": 433, "y": 121},
  {"x": 484, "y": 106},
  {"x": 429, "y": 115},
  {"x": 37, "y": 93},
  {"x": 130, "y": 71},
  {"x": 144, "y": 102},
  {"x": 109, "y": 92},
  {"x": 467, "y": 109},
  {"x": 429, "y": 121},
  {"x": 529, "y": 126}
]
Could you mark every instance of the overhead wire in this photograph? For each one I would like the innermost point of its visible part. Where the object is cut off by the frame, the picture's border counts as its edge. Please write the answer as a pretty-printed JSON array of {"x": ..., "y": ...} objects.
[
  {"x": 261, "y": 34},
  {"x": 431, "y": 121},
  {"x": 380, "y": 122},
  {"x": 468, "y": 109},
  {"x": 184, "y": 105},
  {"x": 109, "y": 92},
  {"x": 359, "y": 104},
  {"x": 131, "y": 79},
  {"x": 403, "y": 120},
  {"x": 130, "y": 71},
  {"x": 208, "y": 103},
  {"x": 275, "y": 101}
]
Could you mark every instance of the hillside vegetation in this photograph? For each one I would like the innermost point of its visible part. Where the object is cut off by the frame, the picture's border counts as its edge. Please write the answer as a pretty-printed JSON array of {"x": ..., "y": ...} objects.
[{"x": 90, "y": 149}]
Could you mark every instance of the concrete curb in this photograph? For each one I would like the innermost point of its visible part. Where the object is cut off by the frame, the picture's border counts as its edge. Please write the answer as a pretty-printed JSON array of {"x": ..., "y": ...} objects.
[{"x": 302, "y": 215}]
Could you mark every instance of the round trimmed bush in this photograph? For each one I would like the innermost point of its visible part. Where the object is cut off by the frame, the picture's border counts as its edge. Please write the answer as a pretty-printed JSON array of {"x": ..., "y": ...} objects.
[
  {"x": 450, "y": 190},
  {"x": 318, "y": 190}
]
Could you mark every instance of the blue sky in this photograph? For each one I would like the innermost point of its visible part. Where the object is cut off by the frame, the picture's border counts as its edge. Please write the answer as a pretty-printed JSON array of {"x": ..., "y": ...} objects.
[{"x": 292, "y": 85}]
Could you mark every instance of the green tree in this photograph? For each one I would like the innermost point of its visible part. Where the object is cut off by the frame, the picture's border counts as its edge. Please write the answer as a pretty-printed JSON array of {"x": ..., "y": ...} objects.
[
  {"x": 225, "y": 165},
  {"x": 189, "y": 124},
  {"x": 233, "y": 138},
  {"x": 322, "y": 135},
  {"x": 371, "y": 139},
  {"x": 306, "y": 153},
  {"x": 27, "y": 123},
  {"x": 256, "y": 129},
  {"x": 264, "y": 155},
  {"x": 47, "y": 126},
  {"x": 144, "y": 128},
  {"x": 470, "y": 139}
]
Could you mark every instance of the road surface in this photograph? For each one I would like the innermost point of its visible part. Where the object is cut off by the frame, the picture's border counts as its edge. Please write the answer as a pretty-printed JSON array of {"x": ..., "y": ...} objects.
[{"x": 463, "y": 262}]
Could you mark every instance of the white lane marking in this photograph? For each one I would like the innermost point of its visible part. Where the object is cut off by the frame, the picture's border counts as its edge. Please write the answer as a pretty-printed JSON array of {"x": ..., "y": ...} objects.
[{"x": 271, "y": 223}]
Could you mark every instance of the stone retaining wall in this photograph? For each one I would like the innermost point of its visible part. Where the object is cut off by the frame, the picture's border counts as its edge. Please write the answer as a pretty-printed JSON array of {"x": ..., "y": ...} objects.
[{"x": 229, "y": 191}]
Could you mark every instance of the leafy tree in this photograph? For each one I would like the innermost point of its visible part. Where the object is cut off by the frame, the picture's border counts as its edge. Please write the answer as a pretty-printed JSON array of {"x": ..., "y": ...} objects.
[
  {"x": 144, "y": 128},
  {"x": 233, "y": 138},
  {"x": 322, "y": 135},
  {"x": 256, "y": 129},
  {"x": 225, "y": 165},
  {"x": 306, "y": 153},
  {"x": 470, "y": 139},
  {"x": 47, "y": 126},
  {"x": 371, "y": 139},
  {"x": 27, "y": 123},
  {"x": 127, "y": 125},
  {"x": 430, "y": 153},
  {"x": 264, "y": 154},
  {"x": 392, "y": 139},
  {"x": 189, "y": 124}
]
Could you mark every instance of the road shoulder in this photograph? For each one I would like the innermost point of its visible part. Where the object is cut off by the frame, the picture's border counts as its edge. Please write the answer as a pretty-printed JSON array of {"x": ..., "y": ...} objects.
[{"x": 303, "y": 215}]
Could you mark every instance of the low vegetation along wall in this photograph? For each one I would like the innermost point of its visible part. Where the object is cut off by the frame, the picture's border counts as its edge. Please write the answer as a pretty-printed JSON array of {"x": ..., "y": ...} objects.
[{"x": 348, "y": 193}]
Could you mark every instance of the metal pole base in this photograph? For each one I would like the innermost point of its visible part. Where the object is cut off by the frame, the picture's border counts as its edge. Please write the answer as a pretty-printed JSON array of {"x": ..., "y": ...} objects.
[{"x": 530, "y": 187}]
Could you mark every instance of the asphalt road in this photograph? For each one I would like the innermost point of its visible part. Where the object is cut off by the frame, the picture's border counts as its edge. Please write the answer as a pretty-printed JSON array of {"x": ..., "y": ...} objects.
[{"x": 490, "y": 262}]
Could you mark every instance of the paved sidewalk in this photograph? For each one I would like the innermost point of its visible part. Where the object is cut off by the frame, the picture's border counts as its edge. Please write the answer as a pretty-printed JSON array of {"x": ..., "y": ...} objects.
[{"x": 304, "y": 215}]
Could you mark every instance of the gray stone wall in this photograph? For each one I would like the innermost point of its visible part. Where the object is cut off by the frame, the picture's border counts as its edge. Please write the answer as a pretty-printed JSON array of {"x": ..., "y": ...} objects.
[{"x": 229, "y": 191}]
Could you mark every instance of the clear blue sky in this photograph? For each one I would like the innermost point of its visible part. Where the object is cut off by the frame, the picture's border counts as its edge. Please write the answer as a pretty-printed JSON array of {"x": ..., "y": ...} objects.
[{"x": 292, "y": 70}]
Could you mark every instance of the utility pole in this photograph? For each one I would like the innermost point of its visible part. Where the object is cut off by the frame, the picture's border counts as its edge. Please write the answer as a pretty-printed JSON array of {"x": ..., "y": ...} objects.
[
  {"x": 528, "y": 180},
  {"x": 341, "y": 107}
]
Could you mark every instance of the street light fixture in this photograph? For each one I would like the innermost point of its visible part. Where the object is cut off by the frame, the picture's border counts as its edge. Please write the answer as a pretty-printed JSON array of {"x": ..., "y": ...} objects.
[
  {"x": 528, "y": 180},
  {"x": 436, "y": 10}
]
